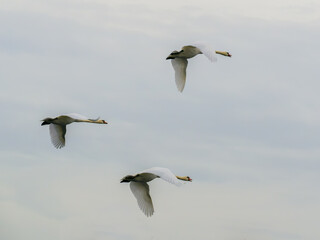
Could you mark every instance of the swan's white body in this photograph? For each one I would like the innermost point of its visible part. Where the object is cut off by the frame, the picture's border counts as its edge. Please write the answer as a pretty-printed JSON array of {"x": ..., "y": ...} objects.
[
  {"x": 57, "y": 126},
  {"x": 179, "y": 60},
  {"x": 140, "y": 188}
]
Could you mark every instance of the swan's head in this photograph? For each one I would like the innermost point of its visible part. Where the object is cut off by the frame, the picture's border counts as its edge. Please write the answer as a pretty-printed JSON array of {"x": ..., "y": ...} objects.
[
  {"x": 226, "y": 54},
  {"x": 127, "y": 178},
  {"x": 97, "y": 120},
  {"x": 188, "y": 179},
  {"x": 102, "y": 121},
  {"x": 46, "y": 121},
  {"x": 172, "y": 55}
]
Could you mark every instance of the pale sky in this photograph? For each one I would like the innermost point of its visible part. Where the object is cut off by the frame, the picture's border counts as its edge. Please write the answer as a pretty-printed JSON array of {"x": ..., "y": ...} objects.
[{"x": 245, "y": 129}]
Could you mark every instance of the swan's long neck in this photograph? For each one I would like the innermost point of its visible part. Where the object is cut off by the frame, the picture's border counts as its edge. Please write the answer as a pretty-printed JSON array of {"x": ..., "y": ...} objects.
[
  {"x": 91, "y": 121},
  {"x": 185, "y": 178},
  {"x": 83, "y": 120},
  {"x": 226, "y": 54}
]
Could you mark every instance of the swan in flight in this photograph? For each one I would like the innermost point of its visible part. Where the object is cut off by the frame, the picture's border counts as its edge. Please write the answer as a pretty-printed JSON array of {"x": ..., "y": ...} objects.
[
  {"x": 140, "y": 188},
  {"x": 57, "y": 126},
  {"x": 179, "y": 60}
]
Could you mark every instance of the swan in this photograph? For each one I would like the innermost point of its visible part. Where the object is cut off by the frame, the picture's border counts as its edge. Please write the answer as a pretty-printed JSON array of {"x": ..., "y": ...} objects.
[
  {"x": 140, "y": 188},
  {"x": 179, "y": 60},
  {"x": 57, "y": 126}
]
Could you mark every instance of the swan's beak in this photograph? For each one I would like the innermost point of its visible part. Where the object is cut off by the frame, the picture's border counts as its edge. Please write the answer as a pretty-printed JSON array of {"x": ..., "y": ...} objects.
[
  {"x": 169, "y": 57},
  {"x": 44, "y": 123},
  {"x": 228, "y": 54},
  {"x": 104, "y": 122}
]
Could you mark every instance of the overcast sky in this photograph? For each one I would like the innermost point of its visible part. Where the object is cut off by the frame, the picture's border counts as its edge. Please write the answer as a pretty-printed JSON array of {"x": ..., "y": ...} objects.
[{"x": 245, "y": 129}]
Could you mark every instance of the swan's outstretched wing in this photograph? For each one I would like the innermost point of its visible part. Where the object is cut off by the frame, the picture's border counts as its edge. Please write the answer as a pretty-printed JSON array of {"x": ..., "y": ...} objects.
[
  {"x": 76, "y": 116},
  {"x": 80, "y": 117},
  {"x": 165, "y": 174},
  {"x": 180, "y": 67},
  {"x": 94, "y": 119},
  {"x": 141, "y": 192},
  {"x": 207, "y": 51},
  {"x": 57, "y": 133}
]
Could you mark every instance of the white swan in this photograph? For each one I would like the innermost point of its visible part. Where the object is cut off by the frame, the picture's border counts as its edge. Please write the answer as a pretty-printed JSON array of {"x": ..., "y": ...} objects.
[
  {"x": 58, "y": 126},
  {"x": 140, "y": 188},
  {"x": 179, "y": 60}
]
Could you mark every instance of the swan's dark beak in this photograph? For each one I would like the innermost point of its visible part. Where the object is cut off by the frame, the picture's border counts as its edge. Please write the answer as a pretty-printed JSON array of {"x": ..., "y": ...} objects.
[
  {"x": 169, "y": 58},
  {"x": 45, "y": 123},
  {"x": 228, "y": 54}
]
